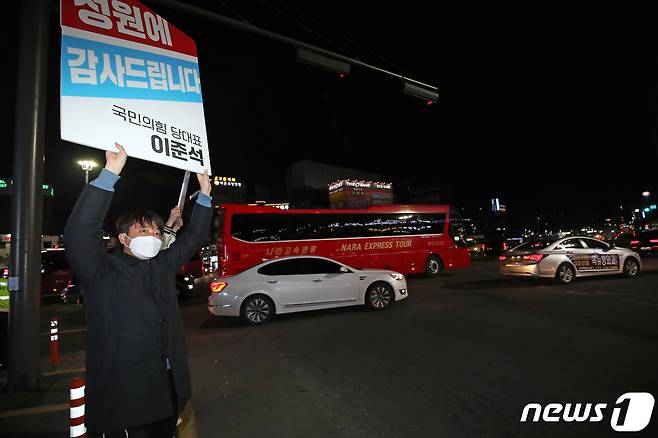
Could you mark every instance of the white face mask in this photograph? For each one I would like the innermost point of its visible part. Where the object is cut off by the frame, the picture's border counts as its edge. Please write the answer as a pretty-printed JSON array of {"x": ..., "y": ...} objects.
[{"x": 145, "y": 247}]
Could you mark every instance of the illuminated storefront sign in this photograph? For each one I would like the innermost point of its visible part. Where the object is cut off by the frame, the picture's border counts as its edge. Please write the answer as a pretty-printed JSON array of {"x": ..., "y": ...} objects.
[
  {"x": 226, "y": 181},
  {"x": 359, "y": 194},
  {"x": 346, "y": 183}
]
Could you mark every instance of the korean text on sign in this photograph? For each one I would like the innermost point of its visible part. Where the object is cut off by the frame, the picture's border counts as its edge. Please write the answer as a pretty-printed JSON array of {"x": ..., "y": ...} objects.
[{"x": 126, "y": 19}]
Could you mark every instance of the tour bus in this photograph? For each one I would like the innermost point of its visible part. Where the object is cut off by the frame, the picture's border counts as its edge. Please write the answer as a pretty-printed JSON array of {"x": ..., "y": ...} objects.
[{"x": 404, "y": 238}]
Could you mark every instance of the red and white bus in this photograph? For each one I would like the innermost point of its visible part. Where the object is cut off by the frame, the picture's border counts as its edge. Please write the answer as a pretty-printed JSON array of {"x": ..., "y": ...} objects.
[{"x": 404, "y": 238}]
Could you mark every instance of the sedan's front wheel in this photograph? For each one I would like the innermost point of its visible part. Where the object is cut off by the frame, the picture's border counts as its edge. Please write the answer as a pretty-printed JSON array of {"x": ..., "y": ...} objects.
[
  {"x": 565, "y": 273},
  {"x": 631, "y": 267},
  {"x": 257, "y": 310},
  {"x": 379, "y": 296}
]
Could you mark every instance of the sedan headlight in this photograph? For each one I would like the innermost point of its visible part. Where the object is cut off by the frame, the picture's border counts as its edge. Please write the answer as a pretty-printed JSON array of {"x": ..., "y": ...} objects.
[{"x": 397, "y": 277}]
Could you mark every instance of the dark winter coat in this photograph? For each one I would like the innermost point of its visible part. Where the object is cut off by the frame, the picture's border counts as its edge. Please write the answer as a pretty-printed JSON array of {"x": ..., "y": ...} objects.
[{"x": 133, "y": 320}]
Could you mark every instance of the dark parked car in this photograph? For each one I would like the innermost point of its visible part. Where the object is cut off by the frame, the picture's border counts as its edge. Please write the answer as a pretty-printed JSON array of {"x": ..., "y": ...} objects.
[
  {"x": 646, "y": 243},
  {"x": 476, "y": 246},
  {"x": 55, "y": 273}
]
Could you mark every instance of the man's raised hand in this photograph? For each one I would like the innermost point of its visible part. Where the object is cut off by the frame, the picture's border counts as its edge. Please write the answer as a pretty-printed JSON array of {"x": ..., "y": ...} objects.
[
  {"x": 204, "y": 182},
  {"x": 114, "y": 161},
  {"x": 175, "y": 220}
]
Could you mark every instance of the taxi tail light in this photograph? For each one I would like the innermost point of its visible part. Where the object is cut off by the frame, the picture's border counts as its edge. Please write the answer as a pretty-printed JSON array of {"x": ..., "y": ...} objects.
[
  {"x": 217, "y": 286},
  {"x": 635, "y": 242},
  {"x": 653, "y": 240},
  {"x": 534, "y": 257},
  {"x": 502, "y": 258}
]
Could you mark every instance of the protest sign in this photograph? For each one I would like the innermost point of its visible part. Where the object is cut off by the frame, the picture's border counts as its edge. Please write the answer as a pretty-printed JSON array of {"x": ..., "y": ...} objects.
[{"x": 129, "y": 76}]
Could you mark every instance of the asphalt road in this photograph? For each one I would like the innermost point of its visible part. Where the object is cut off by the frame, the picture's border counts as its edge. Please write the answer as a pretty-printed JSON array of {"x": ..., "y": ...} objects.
[{"x": 460, "y": 357}]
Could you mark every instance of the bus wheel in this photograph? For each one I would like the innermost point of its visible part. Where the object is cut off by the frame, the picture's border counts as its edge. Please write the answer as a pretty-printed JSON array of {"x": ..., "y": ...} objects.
[
  {"x": 379, "y": 296},
  {"x": 257, "y": 310},
  {"x": 433, "y": 266}
]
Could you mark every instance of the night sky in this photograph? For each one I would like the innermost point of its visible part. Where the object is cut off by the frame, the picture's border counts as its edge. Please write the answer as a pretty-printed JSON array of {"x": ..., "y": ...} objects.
[{"x": 547, "y": 107}]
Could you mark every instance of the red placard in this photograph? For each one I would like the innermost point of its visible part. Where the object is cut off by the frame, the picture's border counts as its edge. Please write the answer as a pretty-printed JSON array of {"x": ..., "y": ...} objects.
[{"x": 127, "y": 20}]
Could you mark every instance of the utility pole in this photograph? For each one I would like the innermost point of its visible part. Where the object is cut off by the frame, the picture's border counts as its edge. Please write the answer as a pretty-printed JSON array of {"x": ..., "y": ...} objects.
[{"x": 29, "y": 131}]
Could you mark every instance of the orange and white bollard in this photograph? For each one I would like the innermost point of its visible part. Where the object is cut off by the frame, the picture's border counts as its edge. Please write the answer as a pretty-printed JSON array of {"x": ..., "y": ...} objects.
[
  {"x": 54, "y": 342},
  {"x": 77, "y": 411}
]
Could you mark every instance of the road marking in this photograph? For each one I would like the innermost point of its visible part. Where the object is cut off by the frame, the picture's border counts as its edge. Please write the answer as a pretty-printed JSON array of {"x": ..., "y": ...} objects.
[{"x": 36, "y": 411}]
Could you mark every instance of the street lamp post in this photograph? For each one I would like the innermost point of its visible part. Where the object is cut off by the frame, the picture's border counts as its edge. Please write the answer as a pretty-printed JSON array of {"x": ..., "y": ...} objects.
[{"x": 87, "y": 166}]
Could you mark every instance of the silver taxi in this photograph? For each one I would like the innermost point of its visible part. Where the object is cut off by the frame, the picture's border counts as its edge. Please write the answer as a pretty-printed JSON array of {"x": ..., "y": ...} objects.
[{"x": 567, "y": 258}]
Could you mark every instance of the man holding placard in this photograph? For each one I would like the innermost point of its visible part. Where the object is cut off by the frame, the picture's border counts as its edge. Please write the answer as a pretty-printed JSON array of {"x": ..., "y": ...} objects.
[{"x": 137, "y": 372}]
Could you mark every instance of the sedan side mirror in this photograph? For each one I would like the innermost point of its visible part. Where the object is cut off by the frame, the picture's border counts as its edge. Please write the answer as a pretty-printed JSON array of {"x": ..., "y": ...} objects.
[{"x": 343, "y": 269}]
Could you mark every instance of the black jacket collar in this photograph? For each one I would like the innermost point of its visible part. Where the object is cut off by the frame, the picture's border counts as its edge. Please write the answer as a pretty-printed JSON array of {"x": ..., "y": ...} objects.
[
  {"x": 121, "y": 255},
  {"x": 132, "y": 260}
]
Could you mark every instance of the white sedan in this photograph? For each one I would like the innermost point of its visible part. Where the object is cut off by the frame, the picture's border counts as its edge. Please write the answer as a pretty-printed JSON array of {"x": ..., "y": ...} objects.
[
  {"x": 295, "y": 284},
  {"x": 567, "y": 258}
]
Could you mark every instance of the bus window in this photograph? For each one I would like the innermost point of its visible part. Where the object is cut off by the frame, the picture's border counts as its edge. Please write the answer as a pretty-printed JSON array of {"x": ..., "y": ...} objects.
[
  {"x": 259, "y": 227},
  {"x": 278, "y": 227}
]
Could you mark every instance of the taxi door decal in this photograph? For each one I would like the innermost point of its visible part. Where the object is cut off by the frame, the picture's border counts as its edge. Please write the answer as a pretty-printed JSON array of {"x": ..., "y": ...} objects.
[
  {"x": 595, "y": 262},
  {"x": 605, "y": 262}
]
